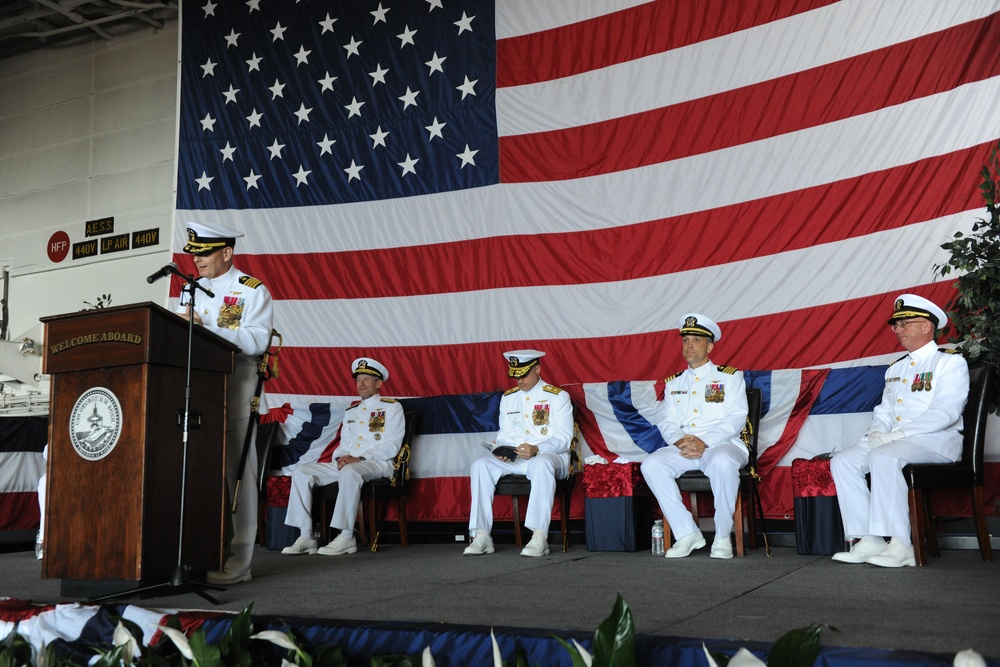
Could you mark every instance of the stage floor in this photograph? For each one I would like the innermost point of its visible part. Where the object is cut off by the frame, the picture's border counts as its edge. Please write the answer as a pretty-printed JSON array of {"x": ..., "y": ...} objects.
[{"x": 942, "y": 608}]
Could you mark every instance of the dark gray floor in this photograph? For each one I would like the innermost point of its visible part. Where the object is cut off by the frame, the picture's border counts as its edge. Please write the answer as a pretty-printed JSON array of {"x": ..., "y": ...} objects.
[{"x": 949, "y": 605}]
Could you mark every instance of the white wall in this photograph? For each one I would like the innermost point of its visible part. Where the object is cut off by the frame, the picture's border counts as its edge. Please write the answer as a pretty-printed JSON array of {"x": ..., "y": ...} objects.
[{"x": 86, "y": 132}]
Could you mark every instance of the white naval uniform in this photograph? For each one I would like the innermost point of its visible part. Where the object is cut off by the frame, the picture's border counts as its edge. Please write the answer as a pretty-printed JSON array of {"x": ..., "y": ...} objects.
[
  {"x": 931, "y": 421},
  {"x": 718, "y": 422},
  {"x": 241, "y": 312},
  {"x": 543, "y": 417},
  {"x": 373, "y": 429}
]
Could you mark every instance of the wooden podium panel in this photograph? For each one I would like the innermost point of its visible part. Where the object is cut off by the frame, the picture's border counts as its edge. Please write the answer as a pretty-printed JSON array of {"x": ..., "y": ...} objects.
[{"x": 113, "y": 504}]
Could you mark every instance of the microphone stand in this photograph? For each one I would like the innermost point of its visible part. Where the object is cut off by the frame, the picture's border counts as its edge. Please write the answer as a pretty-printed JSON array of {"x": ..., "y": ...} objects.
[{"x": 180, "y": 581}]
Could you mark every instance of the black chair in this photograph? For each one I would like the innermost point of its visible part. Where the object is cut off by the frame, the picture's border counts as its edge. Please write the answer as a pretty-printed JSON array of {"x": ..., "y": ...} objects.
[
  {"x": 964, "y": 474},
  {"x": 516, "y": 486},
  {"x": 695, "y": 481},
  {"x": 265, "y": 441},
  {"x": 372, "y": 491}
]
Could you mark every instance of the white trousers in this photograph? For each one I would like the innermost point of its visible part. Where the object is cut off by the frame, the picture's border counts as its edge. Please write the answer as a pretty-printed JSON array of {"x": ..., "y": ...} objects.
[
  {"x": 884, "y": 510},
  {"x": 542, "y": 470},
  {"x": 350, "y": 478},
  {"x": 721, "y": 464},
  {"x": 242, "y": 531}
]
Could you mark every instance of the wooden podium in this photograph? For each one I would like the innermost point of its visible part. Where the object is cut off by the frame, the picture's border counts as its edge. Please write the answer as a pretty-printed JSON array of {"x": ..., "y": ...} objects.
[{"x": 116, "y": 448}]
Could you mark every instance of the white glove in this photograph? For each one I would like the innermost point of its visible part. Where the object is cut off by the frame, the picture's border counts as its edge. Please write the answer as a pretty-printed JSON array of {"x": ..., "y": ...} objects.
[{"x": 878, "y": 438}]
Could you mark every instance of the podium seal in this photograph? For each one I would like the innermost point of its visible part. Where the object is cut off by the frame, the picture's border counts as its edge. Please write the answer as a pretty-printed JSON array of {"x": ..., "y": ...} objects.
[{"x": 95, "y": 423}]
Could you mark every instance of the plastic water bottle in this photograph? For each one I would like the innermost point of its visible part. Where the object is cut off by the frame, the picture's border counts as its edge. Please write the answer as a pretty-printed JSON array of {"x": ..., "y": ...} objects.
[{"x": 658, "y": 537}]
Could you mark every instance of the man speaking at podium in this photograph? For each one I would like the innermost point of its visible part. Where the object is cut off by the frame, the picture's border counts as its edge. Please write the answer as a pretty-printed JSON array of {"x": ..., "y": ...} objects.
[{"x": 240, "y": 312}]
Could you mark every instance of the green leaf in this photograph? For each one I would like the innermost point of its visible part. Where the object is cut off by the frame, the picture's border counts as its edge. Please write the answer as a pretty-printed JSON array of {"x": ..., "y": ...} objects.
[
  {"x": 574, "y": 655},
  {"x": 797, "y": 648},
  {"x": 614, "y": 641}
]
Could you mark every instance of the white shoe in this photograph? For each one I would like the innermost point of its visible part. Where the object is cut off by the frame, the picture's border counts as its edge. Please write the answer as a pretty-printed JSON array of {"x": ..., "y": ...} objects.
[
  {"x": 537, "y": 547},
  {"x": 894, "y": 555},
  {"x": 303, "y": 545},
  {"x": 481, "y": 544},
  {"x": 342, "y": 544},
  {"x": 722, "y": 548},
  {"x": 684, "y": 546},
  {"x": 862, "y": 550},
  {"x": 226, "y": 577}
]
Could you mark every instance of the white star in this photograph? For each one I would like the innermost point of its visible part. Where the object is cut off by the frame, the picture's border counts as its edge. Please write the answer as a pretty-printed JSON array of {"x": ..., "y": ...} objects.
[
  {"x": 409, "y": 98},
  {"x": 276, "y": 90},
  {"x": 253, "y": 5},
  {"x": 354, "y": 107},
  {"x": 232, "y": 37},
  {"x": 204, "y": 183},
  {"x": 254, "y": 62},
  {"x": 254, "y": 118},
  {"x": 230, "y": 94},
  {"x": 208, "y": 68},
  {"x": 433, "y": 4},
  {"x": 302, "y": 56},
  {"x": 467, "y": 87},
  {"x": 435, "y": 129},
  {"x": 227, "y": 152},
  {"x": 326, "y": 82},
  {"x": 251, "y": 180},
  {"x": 327, "y": 24},
  {"x": 279, "y": 32},
  {"x": 378, "y": 76},
  {"x": 354, "y": 171},
  {"x": 303, "y": 114},
  {"x": 325, "y": 145},
  {"x": 300, "y": 176},
  {"x": 464, "y": 23},
  {"x": 466, "y": 156},
  {"x": 379, "y": 14},
  {"x": 408, "y": 165},
  {"x": 275, "y": 149},
  {"x": 210, "y": 8},
  {"x": 208, "y": 123},
  {"x": 435, "y": 63},
  {"x": 378, "y": 139},
  {"x": 352, "y": 47},
  {"x": 406, "y": 37}
]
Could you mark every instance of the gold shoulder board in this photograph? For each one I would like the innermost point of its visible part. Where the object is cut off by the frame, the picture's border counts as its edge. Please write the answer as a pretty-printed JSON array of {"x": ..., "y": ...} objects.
[
  {"x": 552, "y": 389},
  {"x": 511, "y": 391},
  {"x": 354, "y": 404},
  {"x": 674, "y": 376},
  {"x": 387, "y": 400},
  {"x": 729, "y": 370},
  {"x": 949, "y": 351},
  {"x": 251, "y": 282}
]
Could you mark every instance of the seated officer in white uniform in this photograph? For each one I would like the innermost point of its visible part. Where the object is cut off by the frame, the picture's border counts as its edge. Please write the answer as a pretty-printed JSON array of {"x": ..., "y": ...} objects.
[
  {"x": 536, "y": 419},
  {"x": 370, "y": 438},
  {"x": 704, "y": 411},
  {"x": 918, "y": 421}
]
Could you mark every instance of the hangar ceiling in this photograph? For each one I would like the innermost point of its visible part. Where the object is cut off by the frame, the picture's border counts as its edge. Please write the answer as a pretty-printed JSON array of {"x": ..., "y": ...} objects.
[{"x": 26, "y": 25}]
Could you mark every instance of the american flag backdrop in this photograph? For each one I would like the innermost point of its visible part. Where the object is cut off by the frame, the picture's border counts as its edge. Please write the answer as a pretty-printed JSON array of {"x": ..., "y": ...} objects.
[{"x": 432, "y": 182}]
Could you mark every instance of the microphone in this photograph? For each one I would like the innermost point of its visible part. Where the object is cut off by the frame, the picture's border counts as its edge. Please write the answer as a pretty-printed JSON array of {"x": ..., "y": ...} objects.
[{"x": 162, "y": 273}]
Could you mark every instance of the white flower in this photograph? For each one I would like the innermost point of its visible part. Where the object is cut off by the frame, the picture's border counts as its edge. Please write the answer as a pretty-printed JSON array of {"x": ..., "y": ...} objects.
[
  {"x": 426, "y": 658},
  {"x": 743, "y": 658},
  {"x": 497, "y": 659},
  {"x": 588, "y": 659},
  {"x": 278, "y": 638},
  {"x": 179, "y": 639},
  {"x": 969, "y": 658},
  {"x": 122, "y": 637}
]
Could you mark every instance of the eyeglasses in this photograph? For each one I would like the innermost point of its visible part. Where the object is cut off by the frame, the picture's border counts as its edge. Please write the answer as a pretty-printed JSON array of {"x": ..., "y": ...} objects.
[{"x": 900, "y": 324}]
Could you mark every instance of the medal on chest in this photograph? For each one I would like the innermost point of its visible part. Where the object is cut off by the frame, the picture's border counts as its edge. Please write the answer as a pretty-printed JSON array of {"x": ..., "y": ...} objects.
[
  {"x": 230, "y": 313},
  {"x": 540, "y": 415},
  {"x": 376, "y": 422},
  {"x": 715, "y": 392}
]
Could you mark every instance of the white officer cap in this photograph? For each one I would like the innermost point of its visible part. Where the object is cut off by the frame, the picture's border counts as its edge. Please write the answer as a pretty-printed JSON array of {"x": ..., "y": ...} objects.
[
  {"x": 696, "y": 324},
  {"x": 204, "y": 239},
  {"x": 519, "y": 362},
  {"x": 367, "y": 366},
  {"x": 911, "y": 305}
]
